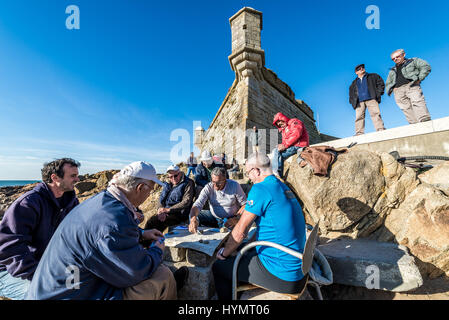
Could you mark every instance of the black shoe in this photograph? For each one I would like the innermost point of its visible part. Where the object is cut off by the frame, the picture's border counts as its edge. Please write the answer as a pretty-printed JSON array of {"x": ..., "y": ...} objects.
[{"x": 181, "y": 276}]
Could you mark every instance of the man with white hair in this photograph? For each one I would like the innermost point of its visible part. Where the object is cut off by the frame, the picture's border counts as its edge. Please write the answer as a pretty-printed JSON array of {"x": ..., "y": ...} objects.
[
  {"x": 404, "y": 80},
  {"x": 175, "y": 201},
  {"x": 279, "y": 219},
  {"x": 95, "y": 252}
]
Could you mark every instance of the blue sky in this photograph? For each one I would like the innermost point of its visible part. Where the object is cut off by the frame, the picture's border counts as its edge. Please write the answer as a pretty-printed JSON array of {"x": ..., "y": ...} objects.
[{"x": 113, "y": 91}]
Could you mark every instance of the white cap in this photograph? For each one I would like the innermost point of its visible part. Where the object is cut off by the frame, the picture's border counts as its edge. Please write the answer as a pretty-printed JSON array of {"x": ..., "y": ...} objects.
[
  {"x": 141, "y": 169},
  {"x": 205, "y": 156},
  {"x": 173, "y": 168}
]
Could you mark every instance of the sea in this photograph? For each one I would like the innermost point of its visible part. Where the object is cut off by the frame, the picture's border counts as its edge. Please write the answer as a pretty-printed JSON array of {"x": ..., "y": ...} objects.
[{"x": 8, "y": 183}]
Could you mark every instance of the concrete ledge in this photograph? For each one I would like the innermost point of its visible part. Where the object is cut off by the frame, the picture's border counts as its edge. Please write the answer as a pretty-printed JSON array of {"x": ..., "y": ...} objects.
[
  {"x": 357, "y": 263},
  {"x": 417, "y": 129}
]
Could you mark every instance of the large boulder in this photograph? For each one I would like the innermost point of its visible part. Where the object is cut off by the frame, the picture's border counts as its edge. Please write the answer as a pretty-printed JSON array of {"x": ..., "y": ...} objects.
[
  {"x": 422, "y": 224},
  {"x": 343, "y": 198},
  {"x": 370, "y": 195},
  {"x": 438, "y": 177}
]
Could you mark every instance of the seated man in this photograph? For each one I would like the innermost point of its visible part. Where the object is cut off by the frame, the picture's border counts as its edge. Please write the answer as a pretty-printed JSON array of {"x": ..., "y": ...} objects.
[
  {"x": 175, "y": 200},
  {"x": 95, "y": 252},
  {"x": 294, "y": 137},
  {"x": 204, "y": 169},
  {"x": 226, "y": 201},
  {"x": 279, "y": 218},
  {"x": 29, "y": 223}
]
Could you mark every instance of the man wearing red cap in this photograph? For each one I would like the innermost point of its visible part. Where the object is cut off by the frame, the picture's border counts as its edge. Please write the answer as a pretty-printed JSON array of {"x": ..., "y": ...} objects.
[{"x": 294, "y": 138}]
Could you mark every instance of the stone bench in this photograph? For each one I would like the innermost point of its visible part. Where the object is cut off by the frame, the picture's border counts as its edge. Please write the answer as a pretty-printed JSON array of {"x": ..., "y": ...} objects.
[{"x": 372, "y": 264}]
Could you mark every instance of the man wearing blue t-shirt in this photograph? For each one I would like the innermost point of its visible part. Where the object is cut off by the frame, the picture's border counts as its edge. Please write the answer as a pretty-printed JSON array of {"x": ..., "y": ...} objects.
[{"x": 279, "y": 219}]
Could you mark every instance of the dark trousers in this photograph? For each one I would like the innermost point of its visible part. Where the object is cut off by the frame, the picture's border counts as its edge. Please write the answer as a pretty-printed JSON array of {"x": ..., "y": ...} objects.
[
  {"x": 250, "y": 270},
  {"x": 172, "y": 219}
]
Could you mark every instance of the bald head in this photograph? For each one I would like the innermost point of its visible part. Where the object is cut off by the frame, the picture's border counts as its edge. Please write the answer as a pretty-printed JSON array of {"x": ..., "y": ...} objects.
[{"x": 260, "y": 161}]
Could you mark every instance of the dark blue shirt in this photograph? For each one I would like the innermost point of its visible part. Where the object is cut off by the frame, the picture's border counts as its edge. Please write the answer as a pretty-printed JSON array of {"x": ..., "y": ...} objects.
[
  {"x": 94, "y": 254},
  {"x": 362, "y": 86}
]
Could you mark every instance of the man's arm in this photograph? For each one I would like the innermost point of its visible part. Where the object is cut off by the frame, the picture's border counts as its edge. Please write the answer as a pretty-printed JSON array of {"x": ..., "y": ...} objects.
[
  {"x": 424, "y": 68},
  {"x": 238, "y": 234},
  {"x": 119, "y": 260},
  {"x": 294, "y": 135},
  {"x": 16, "y": 231},
  {"x": 197, "y": 206},
  {"x": 380, "y": 85}
]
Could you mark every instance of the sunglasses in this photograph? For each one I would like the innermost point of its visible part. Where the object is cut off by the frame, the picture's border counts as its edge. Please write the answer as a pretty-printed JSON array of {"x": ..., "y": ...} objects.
[
  {"x": 397, "y": 57},
  {"x": 359, "y": 68},
  {"x": 174, "y": 176}
]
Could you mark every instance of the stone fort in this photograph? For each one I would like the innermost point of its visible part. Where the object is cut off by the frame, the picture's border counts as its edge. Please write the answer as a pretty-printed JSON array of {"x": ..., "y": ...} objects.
[{"x": 255, "y": 96}]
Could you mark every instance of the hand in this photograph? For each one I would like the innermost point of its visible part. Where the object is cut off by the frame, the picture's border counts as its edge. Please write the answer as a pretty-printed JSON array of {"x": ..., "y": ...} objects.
[
  {"x": 160, "y": 245},
  {"x": 193, "y": 226},
  {"x": 152, "y": 234},
  {"x": 416, "y": 83},
  {"x": 281, "y": 147},
  {"x": 162, "y": 216}
]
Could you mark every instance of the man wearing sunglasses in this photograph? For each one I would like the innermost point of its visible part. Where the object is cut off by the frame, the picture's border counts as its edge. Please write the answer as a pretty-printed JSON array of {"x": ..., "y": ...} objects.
[
  {"x": 365, "y": 93},
  {"x": 175, "y": 201},
  {"x": 404, "y": 80}
]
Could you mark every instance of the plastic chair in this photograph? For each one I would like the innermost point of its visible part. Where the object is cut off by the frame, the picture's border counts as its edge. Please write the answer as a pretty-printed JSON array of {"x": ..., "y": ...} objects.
[{"x": 307, "y": 259}]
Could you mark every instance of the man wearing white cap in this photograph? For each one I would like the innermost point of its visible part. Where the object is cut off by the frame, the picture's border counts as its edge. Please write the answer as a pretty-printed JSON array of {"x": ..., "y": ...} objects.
[
  {"x": 95, "y": 252},
  {"x": 175, "y": 201},
  {"x": 204, "y": 169}
]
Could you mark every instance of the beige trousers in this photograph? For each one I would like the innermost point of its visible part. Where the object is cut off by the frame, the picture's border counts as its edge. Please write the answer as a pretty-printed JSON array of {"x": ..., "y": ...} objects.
[
  {"x": 410, "y": 100},
  {"x": 373, "y": 109},
  {"x": 161, "y": 286}
]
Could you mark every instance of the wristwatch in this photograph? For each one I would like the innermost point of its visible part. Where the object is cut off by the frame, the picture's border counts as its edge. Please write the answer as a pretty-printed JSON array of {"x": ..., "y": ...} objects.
[{"x": 220, "y": 252}]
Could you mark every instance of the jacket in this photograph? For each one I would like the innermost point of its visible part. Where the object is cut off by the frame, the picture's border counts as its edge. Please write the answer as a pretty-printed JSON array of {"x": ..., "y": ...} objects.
[
  {"x": 202, "y": 175},
  {"x": 94, "y": 254},
  {"x": 414, "y": 69},
  {"x": 294, "y": 134},
  {"x": 319, "y": 158},
  {"x": 179, "y": 198},
  {"x": 376, "y": 88},
  {"x": 27, "y": 227}
]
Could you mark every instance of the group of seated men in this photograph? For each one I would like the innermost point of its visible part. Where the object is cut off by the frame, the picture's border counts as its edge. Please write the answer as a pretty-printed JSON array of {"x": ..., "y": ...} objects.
[{"x": 52, "y": 247}]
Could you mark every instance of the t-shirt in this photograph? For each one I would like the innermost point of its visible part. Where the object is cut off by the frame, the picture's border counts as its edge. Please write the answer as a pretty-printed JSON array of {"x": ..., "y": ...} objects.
[
  {"x": 279, "y": 220},
  {"x": 223, "y": 203},
  {"x": 400, "y": 79}
]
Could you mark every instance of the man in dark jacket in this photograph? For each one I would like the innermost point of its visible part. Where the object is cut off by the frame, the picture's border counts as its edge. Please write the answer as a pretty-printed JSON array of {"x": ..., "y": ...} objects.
[
  {"x": 95, "y": 252},
  {"x": 30, "y": 222},
  {"x": 365, "y": 93},
  {"x": 203, "y": 170},
  {"x": 175, "y": 200}
]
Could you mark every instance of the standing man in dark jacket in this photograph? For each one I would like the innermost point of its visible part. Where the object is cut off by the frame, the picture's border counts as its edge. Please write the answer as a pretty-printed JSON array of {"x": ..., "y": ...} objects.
[
  {"x": 95, "y": 252},
  {"x": 30, "y": 222},
  {"x": 365, "y": 93},
  {"x": 175, "y": 200},
  {"x": 203, "y": 171}
]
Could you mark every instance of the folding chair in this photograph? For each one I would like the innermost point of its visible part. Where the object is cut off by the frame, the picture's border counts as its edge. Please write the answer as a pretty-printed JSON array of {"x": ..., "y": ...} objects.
[{"x": 307, "y": 259}]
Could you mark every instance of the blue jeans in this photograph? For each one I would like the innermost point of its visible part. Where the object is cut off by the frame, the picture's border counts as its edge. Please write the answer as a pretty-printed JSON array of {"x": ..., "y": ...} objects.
[
  {"x": 208, "y": 220},
  {"x": 190, "y": 169},
  {"x": 11, "y": 287},
  {"x": 279, "y": 158}
]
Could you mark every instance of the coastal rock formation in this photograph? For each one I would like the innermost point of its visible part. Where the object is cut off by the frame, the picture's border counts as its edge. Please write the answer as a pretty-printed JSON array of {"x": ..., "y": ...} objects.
[{"x": 370, "y": 195}]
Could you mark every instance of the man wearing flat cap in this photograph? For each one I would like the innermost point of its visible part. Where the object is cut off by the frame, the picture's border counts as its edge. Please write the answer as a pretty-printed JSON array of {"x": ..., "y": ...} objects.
[
  {"x": 365, "y": 93},
  {"x": 95, "y": 252},
  {"x": 175, "y": 201}
]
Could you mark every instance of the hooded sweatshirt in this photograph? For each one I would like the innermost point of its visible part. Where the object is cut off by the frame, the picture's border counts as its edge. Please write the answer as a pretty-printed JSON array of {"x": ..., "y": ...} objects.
[
  {"x": 27, "y": 227},
  {"x": 294, "y": 134}
]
